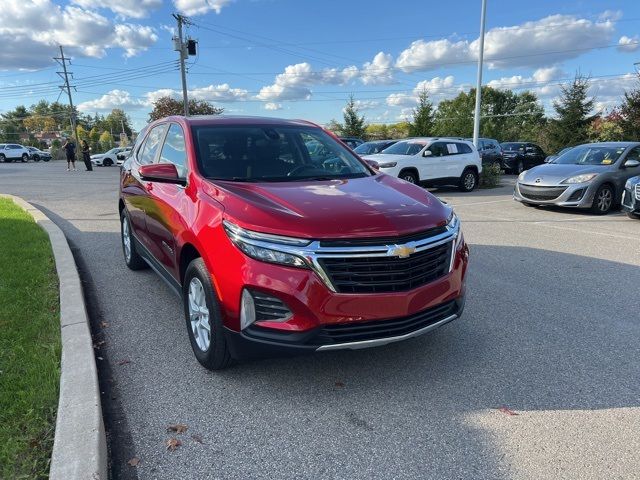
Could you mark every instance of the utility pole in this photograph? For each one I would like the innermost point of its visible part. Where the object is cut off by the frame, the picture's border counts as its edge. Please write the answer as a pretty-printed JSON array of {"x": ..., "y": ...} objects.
[
  {"x": 181, "y": 47},
  {"x": 65, "y": 76},
  {"x": 476, "y": 116}
]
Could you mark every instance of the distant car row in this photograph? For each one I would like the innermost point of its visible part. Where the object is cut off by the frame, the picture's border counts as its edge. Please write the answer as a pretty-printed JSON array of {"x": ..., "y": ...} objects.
[
  {"x": 595, "y": 176},
  {"x": 13, "y": 152}
]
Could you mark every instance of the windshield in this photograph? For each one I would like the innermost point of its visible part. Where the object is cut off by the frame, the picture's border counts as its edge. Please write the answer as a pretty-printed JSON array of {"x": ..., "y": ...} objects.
[
  {"x": 368, "y": 148},
  {"x": 405, "y": 148},
  {"x": 255, "y": 153},
  {"x": 512, "y": 147},
  {"x": 590, "y": 155}
]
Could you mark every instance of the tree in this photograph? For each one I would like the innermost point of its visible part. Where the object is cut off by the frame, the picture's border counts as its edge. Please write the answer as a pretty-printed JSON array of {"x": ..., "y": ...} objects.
[
  {"x": 354, "y": 126},
  {"x": 167, "y": 106},
  {"x": 116, "y": 122},
  {"x": 106, "y": 141},
  {"x": 377, "y": 131},
  {"x": 571, "y": 127},
  {"x": 94, "y": 140},
  {"x": 423, "y": 117},
  {"x": 630, "y": 115},
  {"x": 334, "y": 127}
]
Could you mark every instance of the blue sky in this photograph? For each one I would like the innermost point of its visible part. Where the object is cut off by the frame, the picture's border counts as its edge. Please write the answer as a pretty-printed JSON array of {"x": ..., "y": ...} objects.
[{"x": 303, "y": 58}]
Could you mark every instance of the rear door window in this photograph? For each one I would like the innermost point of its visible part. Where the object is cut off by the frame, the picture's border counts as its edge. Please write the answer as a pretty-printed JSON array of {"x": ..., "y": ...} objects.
[{"x": 463, "y": 148}]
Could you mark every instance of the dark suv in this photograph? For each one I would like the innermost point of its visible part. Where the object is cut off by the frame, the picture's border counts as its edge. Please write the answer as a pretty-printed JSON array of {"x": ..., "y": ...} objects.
[
  {"x": 275, "y": 250},
  {"x": 489, "y": 151},
  {"x": 520, "y": 156}
]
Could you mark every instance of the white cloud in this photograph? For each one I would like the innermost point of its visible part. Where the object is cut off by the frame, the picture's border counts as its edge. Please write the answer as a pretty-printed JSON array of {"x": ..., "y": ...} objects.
[
  {"x": 530, "y": 44},
  {"x": 200, "y": 7},
  {"x": 124, "y": 8},
  {"x": 379, "y": 71},
  {"x": 608, "y": 92},
  {"x": 212, "y": 93},
  {"x": 366, "y": 104},
  {"x": 273, "y": 106},
  {"x": 535, "y": 83},
  {"x": 31, "y": 31},
  {"x": 628, "y": 44},
  {"x": 438, "y": 89},
  {"x": 113, "y": 99}
]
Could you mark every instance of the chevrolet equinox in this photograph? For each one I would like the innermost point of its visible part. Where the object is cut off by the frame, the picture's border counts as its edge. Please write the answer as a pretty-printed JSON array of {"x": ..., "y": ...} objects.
[{"x": 281, "y": 240}]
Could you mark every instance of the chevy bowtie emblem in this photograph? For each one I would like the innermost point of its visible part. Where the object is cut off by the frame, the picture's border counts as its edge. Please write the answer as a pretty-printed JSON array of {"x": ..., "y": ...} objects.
[
  {"x": 401, "y": 251},
  {"x": 538, "y": 180}
]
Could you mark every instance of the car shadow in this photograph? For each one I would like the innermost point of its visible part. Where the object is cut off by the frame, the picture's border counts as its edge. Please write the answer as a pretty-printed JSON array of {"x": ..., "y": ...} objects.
[{"x": 542, "y": 330}]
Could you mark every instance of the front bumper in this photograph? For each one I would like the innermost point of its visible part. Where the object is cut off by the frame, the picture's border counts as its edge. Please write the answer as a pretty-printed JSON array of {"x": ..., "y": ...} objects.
[
  {"x": 579, "y": 195},
  {"x": 257, "y": 342},
  {"x": 631, "y": 200}
]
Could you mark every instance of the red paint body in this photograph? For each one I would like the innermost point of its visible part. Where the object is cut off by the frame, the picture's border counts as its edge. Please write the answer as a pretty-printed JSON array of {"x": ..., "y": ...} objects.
[{"x": 170, "y": 219}]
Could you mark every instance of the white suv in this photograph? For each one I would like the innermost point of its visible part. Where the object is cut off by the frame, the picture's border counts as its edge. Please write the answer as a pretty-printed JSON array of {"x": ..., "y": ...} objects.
[
  {"x": 432, "y": 161},
  {"x": 10, "y": 152}
]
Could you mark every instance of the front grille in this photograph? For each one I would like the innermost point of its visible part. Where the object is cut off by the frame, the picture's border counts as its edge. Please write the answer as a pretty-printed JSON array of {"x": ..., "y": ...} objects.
[
  {"x": 540, "y": 193},
  {"x": 388, "y": 274},
  {"x": 357, "y": 332},
  {"x": 367, "y": 242},
  {"x": 269, "y": 308},
  {"x": 638, "y": 191}
]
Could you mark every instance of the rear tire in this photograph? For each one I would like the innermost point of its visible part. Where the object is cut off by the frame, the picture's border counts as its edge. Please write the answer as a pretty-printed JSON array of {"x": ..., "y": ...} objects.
[
  {"x": 2, "y": 157},
  {"x": 203, "y": 318},
  {"x": 409, "y": 176},
  {"x": 468, "y": 180},
  {"x": 25, "y": 158},
  {"x": 132, "y": 258},
  {"x": 36, "y": 158},
  {"x": 603, "y": 200},
  {"x": 107, "y": 162}
]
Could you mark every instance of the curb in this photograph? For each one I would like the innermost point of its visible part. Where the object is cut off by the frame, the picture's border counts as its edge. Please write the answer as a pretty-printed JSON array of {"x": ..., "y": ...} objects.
[{"x": 80, "y": 446}]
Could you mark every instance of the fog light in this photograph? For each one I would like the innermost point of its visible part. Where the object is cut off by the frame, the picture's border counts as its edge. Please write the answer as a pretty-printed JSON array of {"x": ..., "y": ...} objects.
[{"x": 247, "y": 310}]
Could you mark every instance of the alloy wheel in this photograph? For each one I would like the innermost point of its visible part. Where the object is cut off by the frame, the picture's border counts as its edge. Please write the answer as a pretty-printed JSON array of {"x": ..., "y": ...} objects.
[
  {"x": 604, "y": 200},
  {"x": 126, "y": 239},
  {"x": 469, "y": 181},
  {"x": 199, "y": 314}
]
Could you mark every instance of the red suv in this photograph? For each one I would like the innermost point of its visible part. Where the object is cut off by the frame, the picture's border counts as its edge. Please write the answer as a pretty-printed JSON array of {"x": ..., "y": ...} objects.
[{"x": 279, "y": 239}]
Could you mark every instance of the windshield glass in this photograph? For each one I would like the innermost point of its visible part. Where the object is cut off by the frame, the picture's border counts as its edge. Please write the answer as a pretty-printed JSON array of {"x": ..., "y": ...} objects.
[
  {"x": 512, "y": 147},
  {"x": 590, "y": 155},
  {"x": 405, "y": 148},
  {"x": 368, "y": 148},
  {"x": 273, "y": 154}
]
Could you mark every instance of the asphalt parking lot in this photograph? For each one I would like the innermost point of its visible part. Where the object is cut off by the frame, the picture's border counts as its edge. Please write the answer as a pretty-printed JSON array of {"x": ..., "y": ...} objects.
[{"x": 551, "y": 332}]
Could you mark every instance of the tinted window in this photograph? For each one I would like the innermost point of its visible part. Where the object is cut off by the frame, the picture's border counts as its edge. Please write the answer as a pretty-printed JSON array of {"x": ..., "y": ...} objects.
[
  {"x": 150, "y": 148},
  {"x": 591, "y": 154},
  {"x": 634, "y": 154},
  {"x": 513, "y": 147},
  {"x": 463, "y": 148},
  {"x": 438, "y": 149},
  {"x": 173, "y": 150},
  {"x": 406, "y": 147},
  {"x": 255, "y": 153},
  {"x": 14, "y": 147}
]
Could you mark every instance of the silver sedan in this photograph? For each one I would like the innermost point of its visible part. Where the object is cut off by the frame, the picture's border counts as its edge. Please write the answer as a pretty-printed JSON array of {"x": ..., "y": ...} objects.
[{"x": 587, "y": 176}]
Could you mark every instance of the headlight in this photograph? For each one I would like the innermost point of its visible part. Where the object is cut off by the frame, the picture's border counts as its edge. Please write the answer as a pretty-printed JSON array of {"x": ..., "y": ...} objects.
[
  {"x": 628, "y": 185},
  {"x": 452, "y": 221},
  {"x": 387, "y": 164},
  {"x": 587, "y": 177},
  {"x": 521, "y": 176},
  {"x": 266, "y": 247}
]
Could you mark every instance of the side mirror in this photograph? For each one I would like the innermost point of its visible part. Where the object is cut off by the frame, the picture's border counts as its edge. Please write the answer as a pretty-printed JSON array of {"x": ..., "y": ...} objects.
[
  {"x": 631, "y": 163},
  {"x": 427, "y": 153},
  {"x": 373, "y": 164},
  {"x": 161, "y": 173}
]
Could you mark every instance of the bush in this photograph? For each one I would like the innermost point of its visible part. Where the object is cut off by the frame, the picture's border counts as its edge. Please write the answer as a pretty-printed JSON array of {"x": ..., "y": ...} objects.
[{"x": 490, "y": 176}]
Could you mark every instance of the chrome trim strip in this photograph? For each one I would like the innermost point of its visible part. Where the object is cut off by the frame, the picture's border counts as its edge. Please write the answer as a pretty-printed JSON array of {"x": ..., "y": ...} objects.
[{"x": 384, "y": 341}]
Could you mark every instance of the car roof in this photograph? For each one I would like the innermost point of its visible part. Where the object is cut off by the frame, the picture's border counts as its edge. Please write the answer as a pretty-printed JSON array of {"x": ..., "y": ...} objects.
[
  {"x": 611, "y": 144},
  {"x": 204, "y": 120}
]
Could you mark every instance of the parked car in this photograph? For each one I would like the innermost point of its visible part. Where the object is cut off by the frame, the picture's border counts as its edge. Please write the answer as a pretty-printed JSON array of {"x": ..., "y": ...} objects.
[
  {"x": 587, "y": 176},
  {"x": 432, "y": 161},
  {"x": 108, "y": 158},
  {"x": 520, "y": 156},
  {"x": 551, "y": 158},
  {"x": 36, "y": 154},
  {"x": 10, "y": 152},
  {"x": 273, "y": 252},
  {"x": 373, "y": 147},
  {"x": 489, "y": 150},
  {"x": 122, "y": 156},
  {"x": 352, "y": 142},
  {"x": 631, "y": 197}
]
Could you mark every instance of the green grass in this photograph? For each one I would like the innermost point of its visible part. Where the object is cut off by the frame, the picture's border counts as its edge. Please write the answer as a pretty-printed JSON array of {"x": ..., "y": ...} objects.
[{"x": 29, "y": 346}]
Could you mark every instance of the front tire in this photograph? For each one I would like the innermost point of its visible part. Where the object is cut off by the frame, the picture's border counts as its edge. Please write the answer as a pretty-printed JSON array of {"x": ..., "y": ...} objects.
[
  {"x": 107, "y": 162},
  {"x": 203, "y": 318},
  {"x": 468, "y": 180},
  {"x": 36, "y": 158},
  {"x": 603, "y": 200},
  {"x": 25, "y": 158},
  {"x": 409, "y": 176},
  {"x": 132, "y": 258},
  {"x": 2, "y": 157},
  {"x": 633, "y": 215}
]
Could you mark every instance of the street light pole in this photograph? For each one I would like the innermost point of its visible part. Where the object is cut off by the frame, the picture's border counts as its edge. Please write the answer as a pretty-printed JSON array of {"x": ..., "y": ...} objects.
[
  {"x": 476, "y": 116},
  {"x": 181, "y": 47}
]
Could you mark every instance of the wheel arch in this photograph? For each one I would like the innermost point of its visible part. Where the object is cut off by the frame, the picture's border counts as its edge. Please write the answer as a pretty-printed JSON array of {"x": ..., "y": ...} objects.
[{"x": 413, "y": 170}]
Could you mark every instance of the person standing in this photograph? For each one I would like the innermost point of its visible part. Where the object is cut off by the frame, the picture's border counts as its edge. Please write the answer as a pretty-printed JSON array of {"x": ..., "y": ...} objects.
[
  {"x": 70, "y": 151},
  {"x": 86, "y": 156}
]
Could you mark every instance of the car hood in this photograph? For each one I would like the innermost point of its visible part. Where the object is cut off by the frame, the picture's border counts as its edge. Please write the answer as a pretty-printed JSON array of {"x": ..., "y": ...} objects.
[
  {"x": 550, "y": 174},
  {"x": 375, "y": 206},
  {"x": 98, "y": 155},
  {"x": 386, "y": 157}
]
